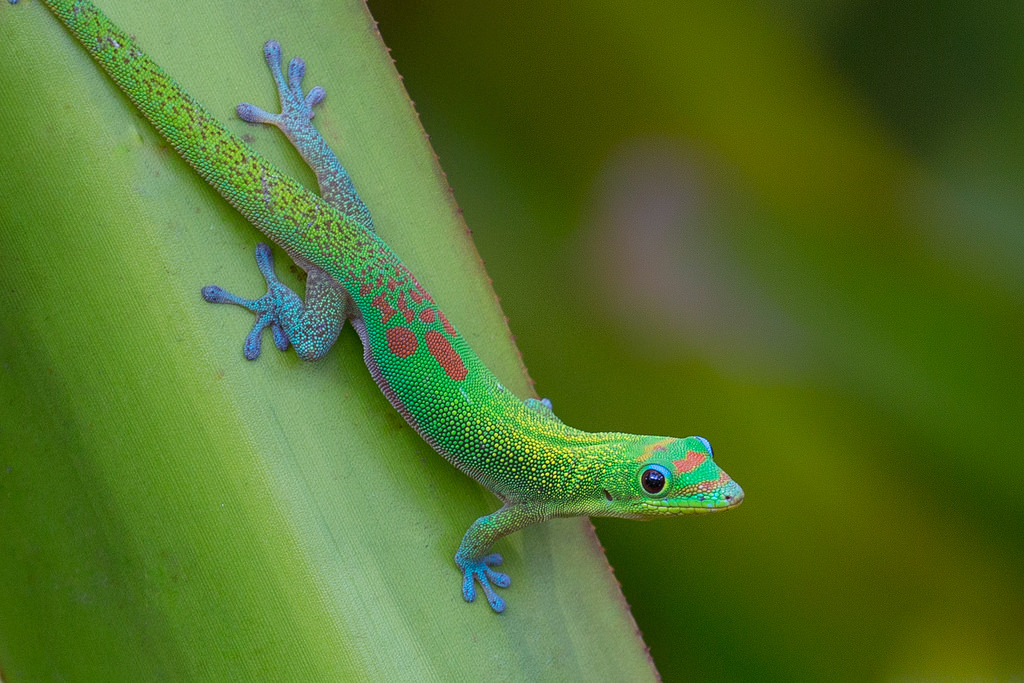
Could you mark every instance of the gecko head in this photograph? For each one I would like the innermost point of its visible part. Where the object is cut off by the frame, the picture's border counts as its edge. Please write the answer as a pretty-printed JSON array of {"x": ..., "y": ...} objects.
[{"x": 666, "y": 477}]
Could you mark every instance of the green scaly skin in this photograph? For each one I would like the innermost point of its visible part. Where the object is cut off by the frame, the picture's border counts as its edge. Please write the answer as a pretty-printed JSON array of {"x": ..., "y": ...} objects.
[{"x": 538, "y": 466}]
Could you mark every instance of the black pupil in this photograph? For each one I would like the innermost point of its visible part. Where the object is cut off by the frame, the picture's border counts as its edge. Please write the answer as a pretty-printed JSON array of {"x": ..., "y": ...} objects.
[{"x": 653, "y": 481}]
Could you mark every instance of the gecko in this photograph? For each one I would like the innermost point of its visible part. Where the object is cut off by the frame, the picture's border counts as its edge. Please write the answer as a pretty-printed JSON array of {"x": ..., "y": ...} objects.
[{"x": 535, "y": 464}]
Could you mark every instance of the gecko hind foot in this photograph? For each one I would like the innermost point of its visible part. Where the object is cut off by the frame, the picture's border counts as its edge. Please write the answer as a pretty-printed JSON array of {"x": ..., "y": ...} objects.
[
  {"x": 296, "y": 122},
  {"x": 296, "y": 108},
  {"x": 478, "y": 570},
  {"x": 269, "y": 308}
]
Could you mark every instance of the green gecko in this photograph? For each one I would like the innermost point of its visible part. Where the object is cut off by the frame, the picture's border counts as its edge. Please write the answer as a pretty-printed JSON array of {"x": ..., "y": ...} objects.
[{"x": 538, "y": 466}]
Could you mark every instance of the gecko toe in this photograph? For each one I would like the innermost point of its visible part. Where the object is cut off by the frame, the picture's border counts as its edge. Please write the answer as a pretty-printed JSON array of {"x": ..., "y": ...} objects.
[
  {"x": 216, "y": 295},
  {"x": 253, "y": 341},
  {"x": 272, "y": 53},
  {"x": 499, "y": 579},
  {"x": 315, "y": 97},
  {"x": 250, "y": 113},
  {"x": 296, "y": 72},
  {"x": 469, "y": 587},
  {"x": 479, "y": 570},
  {"x": 494, "y": 600},
  {"x": 280, "y": 338}
]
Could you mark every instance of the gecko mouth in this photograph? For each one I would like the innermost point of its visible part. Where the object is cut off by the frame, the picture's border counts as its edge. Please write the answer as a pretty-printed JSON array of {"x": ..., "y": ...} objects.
[{"x": 723, "y": 497}]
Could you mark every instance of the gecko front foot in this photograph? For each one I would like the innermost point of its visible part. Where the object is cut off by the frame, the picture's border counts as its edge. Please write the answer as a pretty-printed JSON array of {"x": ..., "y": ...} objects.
[
  {"x": 296, "y": 108},
  {"x": 479, "y": 570},
  {"x": 270, "y": 308}
]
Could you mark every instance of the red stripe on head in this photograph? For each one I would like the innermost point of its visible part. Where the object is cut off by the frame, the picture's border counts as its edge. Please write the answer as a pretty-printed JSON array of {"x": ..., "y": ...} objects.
[
  {"x": 691, "y": 462},
  {"x": 708, "y": 486}
]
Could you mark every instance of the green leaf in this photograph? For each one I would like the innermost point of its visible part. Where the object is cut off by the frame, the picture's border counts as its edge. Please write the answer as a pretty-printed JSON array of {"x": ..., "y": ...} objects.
[{"x": 169, "y": 510}]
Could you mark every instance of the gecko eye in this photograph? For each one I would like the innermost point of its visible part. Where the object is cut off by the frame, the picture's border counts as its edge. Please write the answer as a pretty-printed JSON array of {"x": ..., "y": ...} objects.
[{"x": 655, "y": 479}]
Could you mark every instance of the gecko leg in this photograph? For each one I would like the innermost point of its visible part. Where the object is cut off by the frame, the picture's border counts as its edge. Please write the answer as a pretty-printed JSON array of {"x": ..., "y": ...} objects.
[
  {"x": 295, "y": 121},
  {"x": 474, "y": 559},
  {"x": 311, "y": 328}
]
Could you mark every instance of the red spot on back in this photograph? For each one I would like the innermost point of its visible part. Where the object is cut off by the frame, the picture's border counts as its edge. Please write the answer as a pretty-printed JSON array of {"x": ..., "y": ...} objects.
[
  {"x": 421, "y": 292},
  {"x": 404, "y": 307},
  {"x": 446, "y": 356},
  {"x": 381, "y": 304},
  {"x": 401, "y": 341},
  {"x": 427, "y": 315},
  {"x": 691, "y": 462},
  {"x": 447, "y": 325}
]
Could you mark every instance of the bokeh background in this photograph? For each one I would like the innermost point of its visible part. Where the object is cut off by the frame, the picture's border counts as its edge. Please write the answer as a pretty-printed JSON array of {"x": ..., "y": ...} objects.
[{"x": 795, "y": 228}]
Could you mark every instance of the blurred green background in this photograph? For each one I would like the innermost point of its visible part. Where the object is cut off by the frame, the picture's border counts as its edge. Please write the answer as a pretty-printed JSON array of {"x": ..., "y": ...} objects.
[{"x": 795, "y": 228}]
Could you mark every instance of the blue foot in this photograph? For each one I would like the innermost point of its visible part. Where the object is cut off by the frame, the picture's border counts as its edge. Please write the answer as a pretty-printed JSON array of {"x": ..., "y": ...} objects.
[
  {"x": 296, "y": 109},
  {"x": 542, "y": 407},
  {"x": 269, "y": 308},
  {"x": 295, "y": 121},
  {"x": 478, "y": 570}
]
